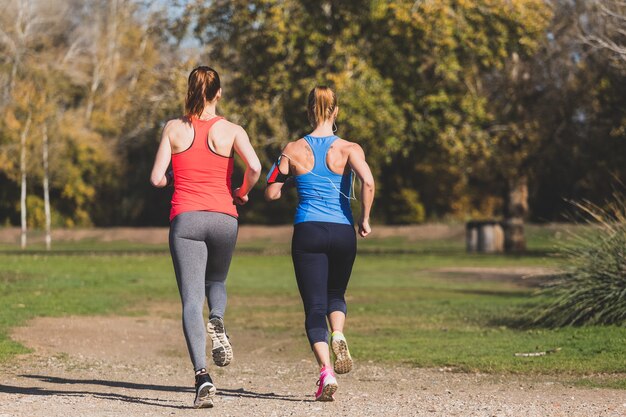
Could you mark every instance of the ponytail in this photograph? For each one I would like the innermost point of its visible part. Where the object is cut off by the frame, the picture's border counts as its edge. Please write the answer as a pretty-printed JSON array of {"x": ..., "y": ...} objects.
[
  {"x": 202, "y": 87},
  {"x": 321, "y": 105}
]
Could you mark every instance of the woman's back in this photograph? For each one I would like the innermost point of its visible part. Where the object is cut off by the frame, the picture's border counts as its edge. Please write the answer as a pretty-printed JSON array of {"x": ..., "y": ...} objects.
[
  {"x": 336, "y": 158},
  {"x": 323, "y": 179},
  {"x": 202, "y": 165},
  {"x": 220, "y": 139}
]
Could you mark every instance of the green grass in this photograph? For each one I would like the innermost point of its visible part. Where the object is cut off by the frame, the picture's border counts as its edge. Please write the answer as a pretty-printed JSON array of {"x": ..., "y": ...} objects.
[
  {"x": 602, "y": 381},
  {"x": 56, "y": 285},
  {"x": 401, "y": 308}
]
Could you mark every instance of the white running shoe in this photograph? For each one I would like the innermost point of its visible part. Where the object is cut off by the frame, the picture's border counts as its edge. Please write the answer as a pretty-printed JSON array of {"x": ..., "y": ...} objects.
[
  {"x": 343, "y": 360},
  {"x": 222, "y": 351}
]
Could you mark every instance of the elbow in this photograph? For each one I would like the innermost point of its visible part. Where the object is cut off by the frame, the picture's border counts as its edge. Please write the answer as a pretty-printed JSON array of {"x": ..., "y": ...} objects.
[
  {"x": 156, "y": 183},
  {"x": 255, "y": 169},
  {"x": 369, "y": 184},
  {"x": 271, "y": 195}
]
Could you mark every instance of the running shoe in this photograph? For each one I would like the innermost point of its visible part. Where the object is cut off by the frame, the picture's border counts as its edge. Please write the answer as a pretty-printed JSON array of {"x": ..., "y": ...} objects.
[
  {"x": 327, "y": 385},
  {"x": 343, "y": 360},
  {"x": 205, "y": 390},
  {"x": 222, "y": 351}
]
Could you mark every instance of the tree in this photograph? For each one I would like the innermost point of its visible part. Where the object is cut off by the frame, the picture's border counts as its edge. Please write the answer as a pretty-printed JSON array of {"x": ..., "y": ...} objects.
[
  {"x": 436, "y": 56},
  {"x": 46, "y": 183},
  {"x": 16, "y": 42},
  {"x": 108, "y": 74},
  {"x": 580, "y": 113},
  {"x": 603, "y": 27},
  {"x": 23, "y": 137}
]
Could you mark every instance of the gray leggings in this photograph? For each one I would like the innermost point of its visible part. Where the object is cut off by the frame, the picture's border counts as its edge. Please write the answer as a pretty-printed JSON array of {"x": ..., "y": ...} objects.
[{"x": 201, "y": 244}]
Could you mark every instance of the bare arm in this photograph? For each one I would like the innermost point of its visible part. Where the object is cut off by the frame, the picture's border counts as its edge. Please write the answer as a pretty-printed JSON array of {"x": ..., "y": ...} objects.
[
  {"x": 357, "y": 162},
  {"x": 162, "y": 159},
  {"x": 244, "y": 149},
  {"x": 274, "y": 191}
]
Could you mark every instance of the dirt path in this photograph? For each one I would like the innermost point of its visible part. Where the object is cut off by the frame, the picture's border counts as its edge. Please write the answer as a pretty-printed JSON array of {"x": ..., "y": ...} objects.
[{"x": 138, "y": 366}]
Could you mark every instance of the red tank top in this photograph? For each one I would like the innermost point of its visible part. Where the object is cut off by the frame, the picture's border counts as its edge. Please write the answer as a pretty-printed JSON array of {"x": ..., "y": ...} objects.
[{"x": 202, "y": 178}]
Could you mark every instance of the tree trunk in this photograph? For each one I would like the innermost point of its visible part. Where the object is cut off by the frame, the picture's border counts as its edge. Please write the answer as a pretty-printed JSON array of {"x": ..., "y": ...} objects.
[
  {"x": 23, "y": 137},
  {"x": 21, "y": 32},
  {"x": 516, "y": 211},
  {"x": 95, "y": 83},
  {"x": 111, "y": 53},
  {"x": 46, "y": 193},
  {"x": 12, "y": 77}
]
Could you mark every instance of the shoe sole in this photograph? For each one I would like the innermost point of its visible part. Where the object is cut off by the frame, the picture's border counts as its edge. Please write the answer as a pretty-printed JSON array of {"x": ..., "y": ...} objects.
[
  {"x": 222, "y": 351},
  {"x": 205, "y": 397},
  {"x": 343, "y": 361},
  {"x": 328, "y": 392}
]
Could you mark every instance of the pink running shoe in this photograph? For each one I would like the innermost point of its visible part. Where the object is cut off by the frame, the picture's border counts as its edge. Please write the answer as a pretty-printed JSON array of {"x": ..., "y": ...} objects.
[{"x": 327, "y": 385}]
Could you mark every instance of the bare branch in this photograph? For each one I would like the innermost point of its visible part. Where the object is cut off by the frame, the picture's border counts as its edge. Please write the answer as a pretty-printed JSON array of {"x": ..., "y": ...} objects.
[
  {"x": 7, "y": 41},
  {"x": 607, "y": 44},
  {"x": 605, "y": 29},
  {"x": 610, "y": 12}
]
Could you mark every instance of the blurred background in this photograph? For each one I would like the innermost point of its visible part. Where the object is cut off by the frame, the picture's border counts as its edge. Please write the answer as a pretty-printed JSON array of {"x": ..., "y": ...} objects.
[{"x": 467, "y": 109}]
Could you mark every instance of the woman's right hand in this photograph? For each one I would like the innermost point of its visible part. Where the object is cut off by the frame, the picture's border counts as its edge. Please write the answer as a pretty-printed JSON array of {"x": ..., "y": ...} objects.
[
  {"x": 364, "y": 227},
  {"x": 239, "y": 198}
]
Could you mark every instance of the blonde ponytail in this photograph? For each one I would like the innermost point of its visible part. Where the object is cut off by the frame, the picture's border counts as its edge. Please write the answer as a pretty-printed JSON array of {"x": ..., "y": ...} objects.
[{"x": 321, "y": 105}]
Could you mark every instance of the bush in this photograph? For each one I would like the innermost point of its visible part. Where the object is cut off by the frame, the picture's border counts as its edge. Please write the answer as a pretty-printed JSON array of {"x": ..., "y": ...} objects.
[
  {"x": 592, "y": 289},
  {"x": 36, "y": 215},
  {"x": 406, "y": 207}
]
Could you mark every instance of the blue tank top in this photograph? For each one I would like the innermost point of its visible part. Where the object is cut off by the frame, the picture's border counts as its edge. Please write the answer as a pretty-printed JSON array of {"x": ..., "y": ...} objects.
[{"x": 318, "y": 190}]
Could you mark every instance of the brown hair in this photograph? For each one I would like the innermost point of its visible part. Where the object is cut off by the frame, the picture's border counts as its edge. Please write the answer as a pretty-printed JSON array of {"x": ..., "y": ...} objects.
[
  {"x": 202, "y": 87},
  {"x": 321, "y": 104}
]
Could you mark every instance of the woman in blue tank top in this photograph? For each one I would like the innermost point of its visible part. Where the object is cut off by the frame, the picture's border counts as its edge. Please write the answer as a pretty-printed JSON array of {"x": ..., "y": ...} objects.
[{"x": 323, "y": 247}]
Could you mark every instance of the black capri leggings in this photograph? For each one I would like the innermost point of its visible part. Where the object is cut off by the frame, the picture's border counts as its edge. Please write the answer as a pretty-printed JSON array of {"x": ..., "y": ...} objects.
[{"x": 323, "y": 255}]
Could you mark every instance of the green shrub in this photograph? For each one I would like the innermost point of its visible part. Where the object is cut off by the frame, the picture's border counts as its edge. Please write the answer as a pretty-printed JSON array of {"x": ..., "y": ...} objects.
[
  {"x": 36, "y": 216},
  {"x": 407, "y": 207},
  {"x": 592, "y": 289}
]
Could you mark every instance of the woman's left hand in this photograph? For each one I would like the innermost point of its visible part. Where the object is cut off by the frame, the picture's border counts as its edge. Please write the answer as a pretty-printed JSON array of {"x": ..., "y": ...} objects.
[{"x": 238, "y": 198}]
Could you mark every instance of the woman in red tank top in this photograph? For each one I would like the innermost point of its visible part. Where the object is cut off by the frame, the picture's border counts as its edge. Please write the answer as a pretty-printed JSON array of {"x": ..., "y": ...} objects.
[{"x": 203, "y": 217}]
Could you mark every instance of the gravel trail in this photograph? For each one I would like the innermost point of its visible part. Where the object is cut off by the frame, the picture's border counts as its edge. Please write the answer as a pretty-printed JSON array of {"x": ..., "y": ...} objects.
[{"x": 138, "y": 366}]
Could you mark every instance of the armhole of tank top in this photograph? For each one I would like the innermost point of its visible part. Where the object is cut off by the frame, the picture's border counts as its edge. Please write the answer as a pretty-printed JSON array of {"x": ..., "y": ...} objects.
[
  {"x": 326, "y": 159},
  {"x": 302, "y": 166},
  {"x": 193, "y": 139},
  {"x": 208, "y": 145}
]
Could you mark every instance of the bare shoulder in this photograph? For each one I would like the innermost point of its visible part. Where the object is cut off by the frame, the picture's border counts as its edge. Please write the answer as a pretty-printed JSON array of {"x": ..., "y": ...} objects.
[
  {"x": 230, "y": 127},
  {"x": 297, "y": 145},
  {"x": 225, "y": 123},
  {"x": 348, "y": 147},
  {"x": 174, "y": 127},
  {"x": 355, "y": 147}
]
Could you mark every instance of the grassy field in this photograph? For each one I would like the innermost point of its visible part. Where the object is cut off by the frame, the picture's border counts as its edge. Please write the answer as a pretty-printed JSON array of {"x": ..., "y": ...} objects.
[{"x": 412, "y": 302}]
